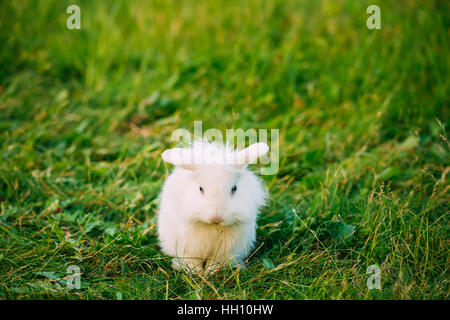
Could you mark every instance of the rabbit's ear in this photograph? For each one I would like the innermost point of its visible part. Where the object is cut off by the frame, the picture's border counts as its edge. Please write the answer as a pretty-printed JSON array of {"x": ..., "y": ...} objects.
[
  {"x": 251, "y": 154},
  {"x": 179, "y": 157}
]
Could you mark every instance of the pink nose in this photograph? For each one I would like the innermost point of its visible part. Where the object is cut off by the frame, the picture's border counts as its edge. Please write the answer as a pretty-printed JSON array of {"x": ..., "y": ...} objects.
[{"x": 217, "y": 219}]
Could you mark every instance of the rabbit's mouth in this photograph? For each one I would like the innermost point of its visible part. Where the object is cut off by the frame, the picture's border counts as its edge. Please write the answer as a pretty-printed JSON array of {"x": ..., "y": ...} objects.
[
  {"x": 216, "y": 221},
  {"x": 224, "y": 223}
]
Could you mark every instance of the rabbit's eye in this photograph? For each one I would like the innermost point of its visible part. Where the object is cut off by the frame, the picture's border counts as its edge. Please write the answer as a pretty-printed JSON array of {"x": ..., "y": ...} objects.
[
  {"x": 201, "y": 189},
  {"x": 233, "y": 190}
]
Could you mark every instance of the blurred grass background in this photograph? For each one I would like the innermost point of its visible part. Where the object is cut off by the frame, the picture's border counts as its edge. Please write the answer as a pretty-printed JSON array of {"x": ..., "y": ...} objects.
[{"x": 363, "y": 179}]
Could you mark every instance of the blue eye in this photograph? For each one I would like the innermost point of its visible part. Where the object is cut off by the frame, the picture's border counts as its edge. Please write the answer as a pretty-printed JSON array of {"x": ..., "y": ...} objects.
[{"x": 233, "y": 190}]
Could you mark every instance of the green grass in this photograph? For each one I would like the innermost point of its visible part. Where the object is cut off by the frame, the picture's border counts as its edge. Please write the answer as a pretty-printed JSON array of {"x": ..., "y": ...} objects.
[{"x": 364, "y": 156}]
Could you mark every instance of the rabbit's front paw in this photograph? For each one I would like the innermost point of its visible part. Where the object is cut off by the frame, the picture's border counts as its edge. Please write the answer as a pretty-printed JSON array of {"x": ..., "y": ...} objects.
[{"x": 190, "y": 266}]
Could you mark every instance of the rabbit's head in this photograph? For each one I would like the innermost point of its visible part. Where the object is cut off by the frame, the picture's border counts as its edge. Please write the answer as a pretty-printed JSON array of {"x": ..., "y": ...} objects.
[{"x": 213, "y": 185}]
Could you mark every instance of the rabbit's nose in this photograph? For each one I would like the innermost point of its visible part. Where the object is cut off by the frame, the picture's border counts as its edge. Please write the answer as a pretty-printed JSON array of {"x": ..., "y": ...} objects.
[{"x": 217, "y": 219}]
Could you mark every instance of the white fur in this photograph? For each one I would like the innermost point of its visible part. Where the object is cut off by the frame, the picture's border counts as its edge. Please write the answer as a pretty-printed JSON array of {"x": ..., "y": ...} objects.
[{"x": 185, "y": 226}]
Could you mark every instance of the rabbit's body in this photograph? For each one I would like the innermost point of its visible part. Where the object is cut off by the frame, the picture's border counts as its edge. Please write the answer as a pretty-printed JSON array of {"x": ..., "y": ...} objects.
[
  {"x": 208, "y": 212},
  {"x": 199, "y": 245}
]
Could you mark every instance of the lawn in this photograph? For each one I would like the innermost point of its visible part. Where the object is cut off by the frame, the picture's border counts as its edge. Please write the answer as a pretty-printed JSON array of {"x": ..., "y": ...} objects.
[{"x": 364, "y": 153}]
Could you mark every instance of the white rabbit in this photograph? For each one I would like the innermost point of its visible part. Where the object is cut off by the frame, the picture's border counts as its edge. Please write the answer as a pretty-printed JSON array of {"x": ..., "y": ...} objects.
[{"x": 209, "y": 204}]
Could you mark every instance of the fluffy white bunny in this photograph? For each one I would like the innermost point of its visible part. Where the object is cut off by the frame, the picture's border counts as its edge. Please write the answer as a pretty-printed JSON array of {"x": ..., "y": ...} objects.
[{"x": 209, "y": 204}]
